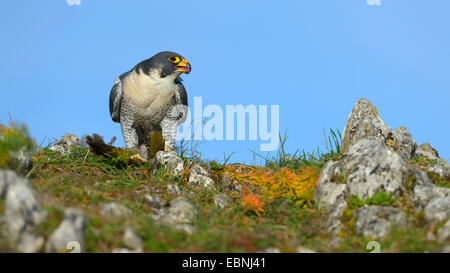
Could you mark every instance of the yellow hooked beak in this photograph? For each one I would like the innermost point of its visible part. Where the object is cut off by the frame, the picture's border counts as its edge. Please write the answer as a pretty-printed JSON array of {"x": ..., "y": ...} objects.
[{"x": 184, "y": 66}]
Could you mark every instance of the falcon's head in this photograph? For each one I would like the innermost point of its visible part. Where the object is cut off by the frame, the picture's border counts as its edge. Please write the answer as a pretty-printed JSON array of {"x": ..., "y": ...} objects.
[{"x": 169, "y": 63}]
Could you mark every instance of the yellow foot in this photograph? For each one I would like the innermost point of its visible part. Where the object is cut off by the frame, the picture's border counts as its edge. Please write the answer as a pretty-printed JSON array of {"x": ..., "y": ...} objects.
[{"x": 137, "y": 158}]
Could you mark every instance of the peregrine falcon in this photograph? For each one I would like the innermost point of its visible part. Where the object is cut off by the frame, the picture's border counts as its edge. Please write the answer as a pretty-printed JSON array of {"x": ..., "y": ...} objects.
[{"x": 151, "y": 98}]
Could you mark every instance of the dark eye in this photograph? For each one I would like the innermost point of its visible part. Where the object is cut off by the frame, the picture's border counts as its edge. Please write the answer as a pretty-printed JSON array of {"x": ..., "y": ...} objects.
[{"x": 174, "y": 59}]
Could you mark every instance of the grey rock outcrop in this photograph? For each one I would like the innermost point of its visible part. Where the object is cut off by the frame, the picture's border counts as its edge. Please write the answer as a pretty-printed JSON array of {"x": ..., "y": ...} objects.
[
  {"x": 179, "y": 215},
  {"x": 376, "y": 221},
  {"x": 172, "y": 188},
  {"x": 221, "y": 200},
  {"x": 375, "y": 158},
  {"x": 121, "y": 250},
  {"x": 7, "y": 178},
  {"x": 22, "y": 211},
  {"x": 155, "y": 202},
  {"x": 69, "y": 232},
  {"x": 30, "y": 243},
  {"x": 440, "y": 166},
  {"x": 437, "y": 209},
  {"x": 171, "y": 161},
  {"x": 301, "y": 249},
  {"x": 115, "y": 210},
  {"x": 424, "y": 194},
  {"x": 132, "y": 240},
  {"x": 270, "y": 250},
  {"x": 199, "y": 176},
  {"x": 443, "y": 233},
  {"x": 367, "y": 167},
  {"x": 425, "y": 150},
  {"x": 332, "y": 200},
  {"x": 404, "y": 144},
  {"x": 22, "y": 160},
  {"x": 362, "y": 122}
]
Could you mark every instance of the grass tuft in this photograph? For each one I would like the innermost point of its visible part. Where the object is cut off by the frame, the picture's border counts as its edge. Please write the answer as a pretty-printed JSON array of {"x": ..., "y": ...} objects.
[{"x": 380, "y": 198}]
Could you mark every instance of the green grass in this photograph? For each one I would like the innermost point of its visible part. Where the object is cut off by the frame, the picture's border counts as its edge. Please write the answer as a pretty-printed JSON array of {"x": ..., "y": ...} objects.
[
  {"x": 443, "y": 183},
  {"x": 302, "y": 159},
  {"x": 380, "y": 198}
]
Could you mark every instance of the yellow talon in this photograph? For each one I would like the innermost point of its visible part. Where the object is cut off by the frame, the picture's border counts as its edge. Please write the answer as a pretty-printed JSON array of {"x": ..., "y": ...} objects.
[{"x": 137, "y": 157}]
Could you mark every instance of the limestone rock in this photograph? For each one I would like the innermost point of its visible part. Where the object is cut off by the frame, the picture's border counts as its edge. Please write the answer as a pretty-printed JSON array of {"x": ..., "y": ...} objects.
[
  {"x": 115, "y": 210},
  {"x": 180, "y": 211},
  {"x": 270, "y": 250},
  {"x": 179, "y": 214},
  {"x": 30, "y": 243},
  {"x": 425, "y": 150},
  {"x": 304, "y": 250},
  {"x": 202, "y": 180},
  {"x": 9, "y": 177},
  {"x": 374, "y": 158},
  {"x": 423, "y": 194},
  {"x": 330, "y": 193},
  {"x": 403, "y": 143},
  {"x": 377, "y": 221},
  {"x": 440, "y": 165},
  {"x": 198, "y": 170},
  {"x": 132, "y": 240},
  {"x": 173, "y": 188},
  {"x": 221, "y": 201},
  {"x": 437, "y": 209},
  {"x": 155, "y": 202},
  {"x": 367, "y": 167},
  {"x": 443, "y": 233},
  {"x": 22, "y": 211},
  {"x": 121, "y": 250},
  {"x": 364, "y": 121},
  {"x": 171, "y": 161},
  {"x": 69, "y": 232},
  {"x": 199, "y": 176},
  {"x": 331, "y": 199},
  {"x": 22, "y": 160}
]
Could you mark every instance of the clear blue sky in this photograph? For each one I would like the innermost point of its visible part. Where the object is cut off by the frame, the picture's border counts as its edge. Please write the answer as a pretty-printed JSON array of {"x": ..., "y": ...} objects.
[{"x": 313, "y": 58}]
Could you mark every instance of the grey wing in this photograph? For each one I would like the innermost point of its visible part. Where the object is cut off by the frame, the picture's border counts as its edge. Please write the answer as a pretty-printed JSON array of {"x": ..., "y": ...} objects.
[
  {"x": 115, "y": 98},
  {"x": 181, "y": 95},
  {"x": 181, "y": 101}
]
